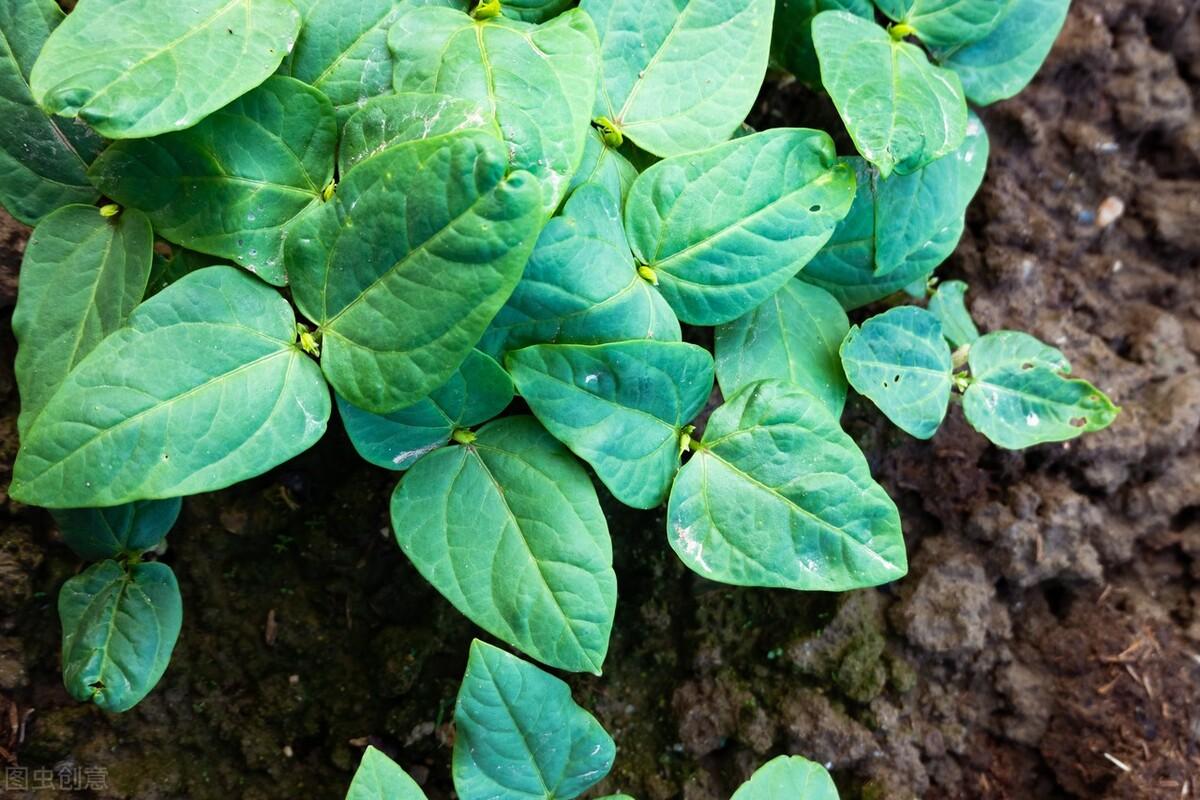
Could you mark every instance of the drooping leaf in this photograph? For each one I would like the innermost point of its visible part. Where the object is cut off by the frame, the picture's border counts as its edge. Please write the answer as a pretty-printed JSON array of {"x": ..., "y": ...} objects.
[
  {"x": 946, "y": 23},
  {"x": 724, "y": 229},
  {"x": 81, "y": 276},
  {"x": 680, "y": 77},
  {"x": 580, "y": 285},
  {"x": 478, "y": 391},
  {"x": 949, "y": 305},
  {"x": 604, "y": 166},
  {"x": 538, "y": 82},
  {"x": 793, "y": 336},
  {"x": 621, "y": 407},
  {"x": 791, "y": 39},
  {"x": 788, "y": 778},
  {"x": 1020, "y": 394},
  {"x": 395, "y": 119},
  {"x": 182, "y": 261},
  {"x": 119, "y": 628},
  {"x": 43, "y": 160},
  {"x": 138, "y": 68},
  {"x": 380, "y": 778},
  {"x": 900, "y": 361},
  {"x": 519, "y": 734},
  {"x": 901, "y": 111},
  {"x": 509, "y": 530},
  {"x": 96, "y": 533},
  {"x": 1005, "y": 61},
  {"x": 534, "y": 10},
  {"x": 778, "y": 496},
  {"x": 230, "y": 185},
  {"x": 407, "y": 265},
  {"x": 202, "y": 388}
]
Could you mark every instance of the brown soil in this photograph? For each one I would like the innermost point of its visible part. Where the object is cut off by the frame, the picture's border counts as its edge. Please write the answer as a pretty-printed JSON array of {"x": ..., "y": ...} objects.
[{"x": 1043, "y": 646}]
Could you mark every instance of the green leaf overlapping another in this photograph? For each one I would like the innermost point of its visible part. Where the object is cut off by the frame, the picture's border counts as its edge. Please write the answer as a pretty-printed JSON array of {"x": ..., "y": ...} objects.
[
  {"x": 949, "y": 305},
  {"x": 791, "y": 39},
  {"x": 137, "y": 68},
  {"x": 395, "y": 119},
  {"x": 231, "y": 185},
  {"x": 605, "y": 166},
  {"x": 945, "y": 23},
  {"x": 621, "y": 407},
  {"x": 788, "y": 778},
  {"x": 534, "y": 10},
  {"x": 380, "y": 778},
  {"x": 128, "y": 529},
  {"x": 405, "y": 268},
  {"x": 509, "y": 530},
  {"x": 777, "y": 495}
]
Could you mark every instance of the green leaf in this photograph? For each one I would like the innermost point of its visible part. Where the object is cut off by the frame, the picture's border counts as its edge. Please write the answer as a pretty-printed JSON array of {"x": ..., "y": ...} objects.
[
  {"x": 680, "y": 77},
  {"x": 166, "y": 271},
  {"x": 81, "y": 276},
  {"x": 119, "y": 628},
  {"x": 1005, "y": 61},
  {"x": 580, "y": 285},
  {"x": 520, "y": 735},
  {"x": 385, "y": 122},
  {"x": 538, "y": 82},
  {"x": 949, "y": 305},
  {"x": 788, "y": 778},
  {"x": 778, "y": 496},
  {"x": 724, "y": 229},
  {"x": 901, "y": 111},
  {"x": 791, "y": 38},
  {"x": 509, "y": 530},
  {"x": 43, "y": 161},
  {"x": 380, "y": 778},
  {"x": 534, "y": 10},
  {"x": 900, "y": 361},
  {"x": 621, "y": 407},
  {"x": 137, "y": 68},
  {"x": 1020, "y": 394},
  {"x": 230, "y": 185},
  {"x": 405, "y": 268},
  {"x": 478, "y": 391},
  {"x": 945, "y": 23},
  {"x": 794, "y": 336},
  {"x": 604, "y": 166},
  {"x": 96, "y": 533},
  {"x": 202, "y": 388}
]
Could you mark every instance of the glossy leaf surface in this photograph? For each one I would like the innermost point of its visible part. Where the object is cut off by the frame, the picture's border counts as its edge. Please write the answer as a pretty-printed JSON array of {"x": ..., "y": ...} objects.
[
  {"x": 946, "y": 23},
  {"x": 96, "y": 533},
  {"x": 395, "y": 119}
]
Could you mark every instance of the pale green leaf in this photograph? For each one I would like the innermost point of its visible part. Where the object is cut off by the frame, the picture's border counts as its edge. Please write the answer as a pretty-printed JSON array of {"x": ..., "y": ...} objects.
[
  {"x": 621, "y": 407},
  {"x": 380, "y": 778},
  {"x": 949, "y": 305},
  {"x": 119, "y": 628},
  {"x": 203, "y": 387},
  {"x": 793, "y": 336},
  {"x": 96, "y": 533},
  {"x": 946, "y": 23},
  {"x": 791, "y": 38},
  {"x": 509, "y": 530},
  {"x": 137, "y": 68},
  {"x": 778, "y": 496},
  {"x": 407, "y": 265},
  {"x": 391, "y": 120},
  {"x": 900, "y": 361},
  {"x": 724, "y": 229},
  {"x": 604, "y": 166},
  {"x": 519, "y": 734},
  {"x": 231, "y": 185},
  {"x": 680, "y": 77},
  {"x": 788, "y": 778}
]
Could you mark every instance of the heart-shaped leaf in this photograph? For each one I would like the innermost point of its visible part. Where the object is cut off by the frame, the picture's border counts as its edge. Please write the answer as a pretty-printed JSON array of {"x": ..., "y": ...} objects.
[
  {"x": 788, "y": 778},
  {"x": 949, "y": 305},
  {"x": 509, "y": 530},
  {"x": 621, "y": 407},
  {"x": 791, "y": 38},
  {"x": 778, "y": 496},
  {"x": 604, "y": 166},
  {"x": 946, "y": 23},
  {"x": 520, "y": 735},
  {"x": 380, "y": 778},
  {"x": 129, "y": 79},
  {"x": 395, "y": 119},
  {"x": 96, "y": 533}
]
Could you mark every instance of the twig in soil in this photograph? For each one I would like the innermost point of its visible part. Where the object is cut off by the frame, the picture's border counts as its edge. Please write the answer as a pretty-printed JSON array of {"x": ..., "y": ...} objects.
[
  {"x": 1121, "y": 765},
  {"x": 272, "y": 629},
  {"x": 24, "y": 722},
  {"x": 1104, "y": 594},
  {"x": 1127, "y": 655}
]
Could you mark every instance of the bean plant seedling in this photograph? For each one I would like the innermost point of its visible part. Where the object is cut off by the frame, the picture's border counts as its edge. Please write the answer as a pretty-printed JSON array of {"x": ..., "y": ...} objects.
[{"x": 249, "y": 212}]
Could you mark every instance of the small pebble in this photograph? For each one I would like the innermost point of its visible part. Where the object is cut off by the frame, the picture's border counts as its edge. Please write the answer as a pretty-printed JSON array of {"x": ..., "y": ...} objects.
[{"x": 1109, "y": 211}]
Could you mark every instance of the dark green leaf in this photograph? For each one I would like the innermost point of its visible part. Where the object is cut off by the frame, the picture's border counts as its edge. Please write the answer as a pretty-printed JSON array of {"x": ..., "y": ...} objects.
[
  {"x": 395, "y": 119},
  {"x": 791, "y": 39},
  {"x": 96, "y": 533},
  {"x": 949, "y": 305},
  {"x": 604, "y": 166},
  {"x": 182, "y": 261}
]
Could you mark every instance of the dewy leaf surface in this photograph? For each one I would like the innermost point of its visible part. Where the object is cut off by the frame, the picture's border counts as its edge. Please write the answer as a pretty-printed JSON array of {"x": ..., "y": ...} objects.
[
  {"x": 380, "y": 778},
  {"x": 202, "y": 388},
  {"x": 395, "y": 119},
  {"x": 621, "y": 407},
  {"x": 230, "y": 185},
  {"x": 900, "y": 361},
  {"x": 901, "y": 111},
  {"x": 97, "y": 533},
  {"x": 509, "y": 530},
  {"x": 791, "y": 39},
  {"x": 519, "y": 734},
  {"x": 1020, "y": 394},
  {"x": 793, "y": 336},
  {"x": 944, "y": 23},
  {"x": 788, "y": 778},
  {"x": 119, "y": 629},
  {"x": 538, "y": 82},
  {"x": 680, "y": 77},
  {"x": 407, "y": 265},
  {"x": 478, "y": 391},
  {"x": 43, "y": 160},
  {"x": 137, "y": 68},
  {"x": 580, "y": 285},
  {"x": 724, "y": 229},
  {"x": 778, "y": 496},
  {"x": 81, "y": 277},
  {"x": 949, "y": 305}
]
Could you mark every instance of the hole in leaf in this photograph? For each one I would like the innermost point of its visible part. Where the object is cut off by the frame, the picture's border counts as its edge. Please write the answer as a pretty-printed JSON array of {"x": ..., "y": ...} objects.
[
  {"x": 96, "y": 685},
  {"x": 1078, "y": 422},
  {"x": 815, "y": 209},
  {"x": 1027, "y": 365},
  {"x": 896, "y": 379}
]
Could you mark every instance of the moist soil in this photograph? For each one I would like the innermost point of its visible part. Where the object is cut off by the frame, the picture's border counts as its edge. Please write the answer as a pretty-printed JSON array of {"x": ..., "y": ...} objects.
[{"x": 1044, "y": 644}]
